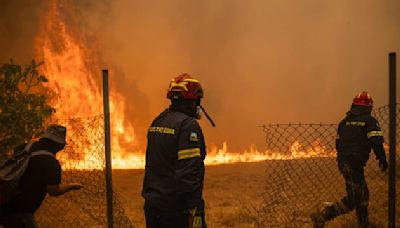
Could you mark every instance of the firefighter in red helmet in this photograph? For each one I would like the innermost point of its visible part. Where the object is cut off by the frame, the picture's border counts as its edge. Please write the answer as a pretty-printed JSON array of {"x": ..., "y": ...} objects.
[
  {"x": 174, "y": 172},
  {"x": 358, "y": 132}
]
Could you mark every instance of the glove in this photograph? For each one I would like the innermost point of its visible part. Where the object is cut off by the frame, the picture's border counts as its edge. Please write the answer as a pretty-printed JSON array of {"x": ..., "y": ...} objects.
[
  {"x": 383, "y": 165},
  {"x": 195, "y": 219}
]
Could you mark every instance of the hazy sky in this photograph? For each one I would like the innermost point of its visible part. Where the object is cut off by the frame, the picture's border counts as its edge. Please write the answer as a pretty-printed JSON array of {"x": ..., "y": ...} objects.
[{"x": 259, "y": 61}]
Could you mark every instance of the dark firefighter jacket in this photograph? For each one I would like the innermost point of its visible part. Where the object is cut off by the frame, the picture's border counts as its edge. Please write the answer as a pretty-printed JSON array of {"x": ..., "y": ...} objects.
[
  {"x": 358, "y": 132},
  {"x": 174, "y": 170}
]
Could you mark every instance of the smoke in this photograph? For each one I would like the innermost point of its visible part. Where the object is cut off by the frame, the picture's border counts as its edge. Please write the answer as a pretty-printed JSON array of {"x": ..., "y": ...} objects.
[
  {"x": 258, "y": 61},
  {"x": 18, "y": 26}
]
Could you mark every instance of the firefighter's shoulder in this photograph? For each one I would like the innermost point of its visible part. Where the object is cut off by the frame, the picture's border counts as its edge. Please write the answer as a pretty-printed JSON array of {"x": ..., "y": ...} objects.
[
  {"x": 372, "y": 122},
  {"x": 356, "y": 121},
  {"x": 179, "y": 116},
  {"x": 190, "y": 141},
  {"x": 190, "y": 124}
]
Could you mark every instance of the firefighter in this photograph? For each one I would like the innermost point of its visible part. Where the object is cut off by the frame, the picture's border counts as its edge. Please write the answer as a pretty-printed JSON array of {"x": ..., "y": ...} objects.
[
  {"x": 358, "y": 132},
  {"x": 174, "y": 172}
]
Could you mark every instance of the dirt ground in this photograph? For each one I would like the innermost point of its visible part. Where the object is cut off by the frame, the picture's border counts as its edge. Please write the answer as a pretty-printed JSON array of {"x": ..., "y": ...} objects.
[
  {"x": 230, "y": 192},
  {"x": 243, "y": 195},
  {"x": 249, "y": 194}
]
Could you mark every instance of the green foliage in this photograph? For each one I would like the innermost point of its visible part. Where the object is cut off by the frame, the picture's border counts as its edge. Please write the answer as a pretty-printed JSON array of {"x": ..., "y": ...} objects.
[{"x": 23, "y": 109}]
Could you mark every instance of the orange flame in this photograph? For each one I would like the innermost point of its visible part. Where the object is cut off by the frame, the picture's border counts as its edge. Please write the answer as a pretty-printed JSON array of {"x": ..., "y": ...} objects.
[
  {"x": 216, "y": 156},
  {"x": 222, "y": 156},
  {"x": 72, "y": 69},
  {"x": 76, "y": 92}
]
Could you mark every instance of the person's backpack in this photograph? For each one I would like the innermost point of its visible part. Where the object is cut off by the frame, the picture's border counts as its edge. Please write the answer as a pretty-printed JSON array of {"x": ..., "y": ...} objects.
[{"x": 12, "y": 168}]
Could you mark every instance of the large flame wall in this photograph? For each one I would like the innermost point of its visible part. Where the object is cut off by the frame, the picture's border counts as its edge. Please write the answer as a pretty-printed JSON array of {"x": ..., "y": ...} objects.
[
  {"x": 72, "y": 66},
  {"x": 260, "y": 60}
]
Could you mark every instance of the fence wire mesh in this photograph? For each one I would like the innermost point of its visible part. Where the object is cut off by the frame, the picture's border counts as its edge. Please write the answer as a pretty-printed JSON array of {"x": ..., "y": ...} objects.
[
  {"x": 82, "y": 161},
  {"x": 305, "y": 177}
]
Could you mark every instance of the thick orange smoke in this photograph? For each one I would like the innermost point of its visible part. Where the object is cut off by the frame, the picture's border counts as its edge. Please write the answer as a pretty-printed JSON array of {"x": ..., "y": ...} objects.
[
  {"x": 259, "y": 61},
  {"x": 77, "y": 93}
]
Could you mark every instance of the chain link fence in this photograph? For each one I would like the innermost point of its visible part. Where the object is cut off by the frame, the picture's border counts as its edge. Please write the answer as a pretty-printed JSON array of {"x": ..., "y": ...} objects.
[
  {"x": 82, "y": 161},
  {"x": 302, "y": 178},
  {"x": 305, "y": 178}
]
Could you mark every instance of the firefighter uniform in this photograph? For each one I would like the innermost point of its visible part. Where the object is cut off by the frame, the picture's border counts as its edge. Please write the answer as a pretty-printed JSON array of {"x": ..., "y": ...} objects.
[
  {"x": 174, "y": 172},
  {"x": 358, "y": 133},
  {"x": 174, "y": 162}
]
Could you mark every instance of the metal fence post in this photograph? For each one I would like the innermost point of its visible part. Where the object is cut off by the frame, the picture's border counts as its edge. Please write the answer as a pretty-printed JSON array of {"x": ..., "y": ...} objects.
[
  {"x": 107, "y": 144},
  {"x": 392, "y": 140}
]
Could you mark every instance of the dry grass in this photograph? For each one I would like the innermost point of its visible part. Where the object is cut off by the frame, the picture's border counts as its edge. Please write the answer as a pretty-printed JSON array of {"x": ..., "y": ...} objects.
[
  {"x": 236, "y": 195},
  {"x": 83, "y": 208},
  {"x": 230, "y": 191},
  {"x": 297, "y": 188}
]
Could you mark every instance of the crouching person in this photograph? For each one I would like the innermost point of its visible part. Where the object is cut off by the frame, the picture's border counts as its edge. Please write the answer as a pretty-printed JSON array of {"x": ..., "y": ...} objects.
[{"x": 42, "y": 176}]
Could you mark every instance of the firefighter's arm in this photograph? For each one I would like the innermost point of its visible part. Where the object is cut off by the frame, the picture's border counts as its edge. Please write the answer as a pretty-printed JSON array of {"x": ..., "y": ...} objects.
[
  {"x": 189, "y": 179},
  {"x": 375, "y": 137},
  {"x": 190, "y": 169},
  {"x": 60, "y": 189},
  {"x": 338, "y": 145}
]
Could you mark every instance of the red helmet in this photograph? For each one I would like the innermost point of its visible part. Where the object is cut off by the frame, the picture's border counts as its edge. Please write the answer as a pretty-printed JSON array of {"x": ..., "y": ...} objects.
[
  {"x": 184, "y": 87},
  {"x": 363, "y": 99}
]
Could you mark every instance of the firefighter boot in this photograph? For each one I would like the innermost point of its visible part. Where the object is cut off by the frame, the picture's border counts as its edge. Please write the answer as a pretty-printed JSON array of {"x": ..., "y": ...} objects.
[
  {"x": 329, "y": 213},
  {"x": 317, "y": 220}
]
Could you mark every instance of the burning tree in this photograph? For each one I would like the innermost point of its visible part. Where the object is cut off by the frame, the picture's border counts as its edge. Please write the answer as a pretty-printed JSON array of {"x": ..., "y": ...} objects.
[{"x": 23, "y": 104}]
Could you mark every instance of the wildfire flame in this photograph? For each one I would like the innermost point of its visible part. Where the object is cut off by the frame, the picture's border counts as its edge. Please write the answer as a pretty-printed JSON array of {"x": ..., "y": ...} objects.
[
  {"x": 72, "y": 69},
  {"x": 217, "y": 156},
  {"x": 75, "y": 90}
]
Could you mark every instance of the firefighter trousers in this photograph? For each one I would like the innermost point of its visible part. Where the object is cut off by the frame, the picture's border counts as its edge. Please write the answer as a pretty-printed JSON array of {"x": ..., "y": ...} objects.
[
  {"x": 357, "y": 194},
  {"x": 156, "y": 218}
]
